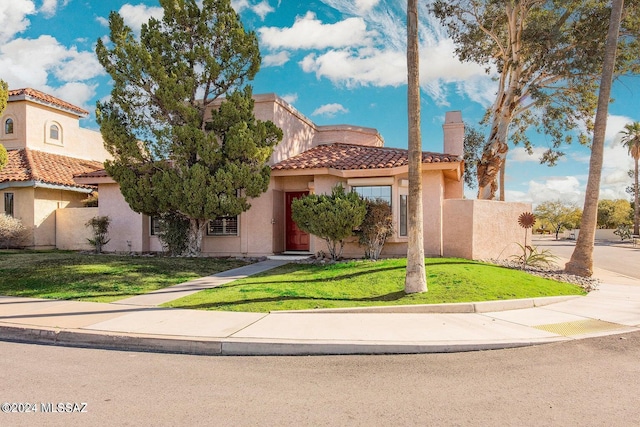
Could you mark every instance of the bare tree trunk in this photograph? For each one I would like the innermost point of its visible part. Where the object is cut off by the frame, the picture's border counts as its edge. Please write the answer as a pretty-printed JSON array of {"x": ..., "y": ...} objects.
[
  {"x": 416, "y": 279},
  {"x": 494, "y": 153},
  {"x": 581, "y": 262},
  {"x": 503, "y": 170},
  {"x": 196, "y": 232}
]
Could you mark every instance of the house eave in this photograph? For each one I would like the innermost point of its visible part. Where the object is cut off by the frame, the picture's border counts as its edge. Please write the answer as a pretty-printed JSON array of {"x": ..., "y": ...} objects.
[
  {"x": 46, "y": 185},
  {"x": 452, "y": 170}
]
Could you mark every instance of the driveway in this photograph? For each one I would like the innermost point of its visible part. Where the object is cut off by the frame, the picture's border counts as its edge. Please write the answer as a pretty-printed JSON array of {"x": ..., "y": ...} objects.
[{"x": 616, "y": 256}]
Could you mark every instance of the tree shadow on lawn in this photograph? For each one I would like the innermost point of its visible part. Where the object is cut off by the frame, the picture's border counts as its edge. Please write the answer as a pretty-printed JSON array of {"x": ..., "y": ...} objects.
[
  {"x": 319, "y": 280},
  {"x": 343, "y": 276},
  {"x": 392, "y": 296}
]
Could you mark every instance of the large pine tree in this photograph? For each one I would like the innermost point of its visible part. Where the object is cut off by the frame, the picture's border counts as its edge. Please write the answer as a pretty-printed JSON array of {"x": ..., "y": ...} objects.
[{"x": 180, "y": 122}]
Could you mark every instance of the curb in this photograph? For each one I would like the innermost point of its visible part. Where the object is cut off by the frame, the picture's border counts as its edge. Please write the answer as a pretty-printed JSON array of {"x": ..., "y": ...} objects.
[
  {"x": 462, "y": 307},
  {"x": 231, "y": 347}
]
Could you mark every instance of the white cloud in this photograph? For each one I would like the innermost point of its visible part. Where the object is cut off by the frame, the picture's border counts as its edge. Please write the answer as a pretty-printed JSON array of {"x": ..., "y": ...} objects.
[
  {"x": 76, "y": 93},
  {"x": 377, "y": 68},
  {"x": 566, "y": 188},
  {"x": 50, "y": 7},
  {"x": 13, "y": 18},
  {"x": 519, "y": 154},
  {"x": 366, "y": 5},
  {"x": 102, "y": 21},
  {"x": 262, "y": 9},
  {"x": 30, "y": 62},
  {"x": 135, "y": 16},
  {"x": 239, "y": 5},
  {"x": 308, "y": 32},
  {"x": 329, "y": 110},
  {"x": 368, "y": 49},
  {"x": 291, "y": 98},
  {"x": 276, "y": 59}
]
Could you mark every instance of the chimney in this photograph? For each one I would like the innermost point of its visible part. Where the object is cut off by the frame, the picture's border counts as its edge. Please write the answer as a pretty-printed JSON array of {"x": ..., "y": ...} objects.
[{"x": 453, "y": 128}]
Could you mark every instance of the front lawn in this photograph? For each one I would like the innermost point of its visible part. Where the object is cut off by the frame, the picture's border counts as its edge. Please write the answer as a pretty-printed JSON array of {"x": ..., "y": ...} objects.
[
  {"x": 100, "y": 278},
  {"x": 365, "y": 283}
]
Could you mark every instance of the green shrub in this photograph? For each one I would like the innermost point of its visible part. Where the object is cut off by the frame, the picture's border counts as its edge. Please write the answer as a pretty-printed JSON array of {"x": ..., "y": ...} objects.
[
  {"x": 174, "y": 233},
  {"x": 375, "y": 228},
  {"x": 331, "y": 217},
  {"x": 100, "y": 228}
]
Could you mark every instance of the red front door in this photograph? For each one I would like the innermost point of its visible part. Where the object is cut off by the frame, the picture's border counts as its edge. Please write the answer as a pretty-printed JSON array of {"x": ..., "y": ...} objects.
[{"x": 297, "y": 240}]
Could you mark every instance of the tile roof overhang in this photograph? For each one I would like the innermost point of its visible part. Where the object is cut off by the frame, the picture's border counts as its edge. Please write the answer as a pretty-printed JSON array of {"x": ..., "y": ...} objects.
[
  {"x": 28, "y": 94},
  {"x": 32, "y": 168},
  {"x": 348, "y": 160}
]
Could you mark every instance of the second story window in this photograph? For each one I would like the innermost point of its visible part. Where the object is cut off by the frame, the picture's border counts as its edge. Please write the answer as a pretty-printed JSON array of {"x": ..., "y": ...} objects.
[
  {"x": 8, "y": 126},
  {"x": 54, "y": 132}
]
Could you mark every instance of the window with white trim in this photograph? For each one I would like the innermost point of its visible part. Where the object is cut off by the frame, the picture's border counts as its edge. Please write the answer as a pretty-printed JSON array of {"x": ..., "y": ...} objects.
[
  {"x": 154, "y": 225},
  {"x": 403, "y": 215},
  {"x": 223, "y": 226},
  {"x": 8, "y": 204},
  {"x": 54, "y": 132},
  {"x": 8, "y": 126},
  {"x": 373, "y": 192}
]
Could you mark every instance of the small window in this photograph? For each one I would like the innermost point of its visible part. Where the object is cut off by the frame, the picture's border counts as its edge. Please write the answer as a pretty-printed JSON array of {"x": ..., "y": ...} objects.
[
  {"x": 223, "y": 226},
  {"x": 8, "y": 204},
  {"x": 403, "y": 215},
  {"x": 155, "y": 225},
  {"x": 54, "y": 132},
  {"x": 8, "y": 126}
]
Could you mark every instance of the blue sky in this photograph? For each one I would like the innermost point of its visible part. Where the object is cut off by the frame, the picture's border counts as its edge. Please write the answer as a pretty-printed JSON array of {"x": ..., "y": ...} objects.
[{"x": 336, "y": 61}]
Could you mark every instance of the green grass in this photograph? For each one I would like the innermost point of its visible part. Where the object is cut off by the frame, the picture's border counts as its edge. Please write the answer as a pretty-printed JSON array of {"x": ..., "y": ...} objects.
[
  {"x": 364, "y": 283},
  {"x": 100, "y": 278}
]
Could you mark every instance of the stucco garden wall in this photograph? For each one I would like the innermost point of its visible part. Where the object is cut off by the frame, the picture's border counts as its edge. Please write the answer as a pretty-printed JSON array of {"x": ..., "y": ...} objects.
[
  {"x": 126, "y": 225},
  {"x": 482, "y": 229},
  {"x": 71, "y": 231}
]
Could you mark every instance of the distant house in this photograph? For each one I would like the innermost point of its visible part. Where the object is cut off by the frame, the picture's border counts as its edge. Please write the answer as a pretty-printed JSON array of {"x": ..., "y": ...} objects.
[
  {"x": 313, "y": 159},
  {"x": 46, "y": 148}
]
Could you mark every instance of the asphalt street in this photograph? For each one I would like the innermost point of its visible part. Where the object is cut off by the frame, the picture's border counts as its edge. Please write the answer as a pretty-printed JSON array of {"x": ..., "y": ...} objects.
[
  {"x": 592, "y": 382},
  {"x": 620, "y": 257}
]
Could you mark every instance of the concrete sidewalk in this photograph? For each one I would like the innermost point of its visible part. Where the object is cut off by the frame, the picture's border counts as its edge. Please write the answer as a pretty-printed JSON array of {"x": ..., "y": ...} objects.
[{"x": 136, "y": 324}]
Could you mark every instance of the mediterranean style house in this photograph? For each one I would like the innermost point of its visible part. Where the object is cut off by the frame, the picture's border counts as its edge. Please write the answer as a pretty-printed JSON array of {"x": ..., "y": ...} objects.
[
  {"x": 46, "y": 147},
  {"x": 313, "y": 159}
]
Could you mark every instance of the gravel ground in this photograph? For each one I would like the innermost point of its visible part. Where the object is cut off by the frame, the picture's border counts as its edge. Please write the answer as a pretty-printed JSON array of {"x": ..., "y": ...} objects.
[{"x": 552, "y": 272}]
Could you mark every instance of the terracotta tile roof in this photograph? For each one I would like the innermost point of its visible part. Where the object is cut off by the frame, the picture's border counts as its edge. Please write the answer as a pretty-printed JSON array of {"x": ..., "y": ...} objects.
[
  {"x": 31, "y": 165},
  {"x": 101, "y": 173},
  {"x": 350, "y": 157},
  {"x": 36, "y": 95}
]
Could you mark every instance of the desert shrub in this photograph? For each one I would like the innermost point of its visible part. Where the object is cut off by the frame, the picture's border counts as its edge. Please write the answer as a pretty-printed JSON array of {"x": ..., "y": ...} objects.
[
  {"x": 100, "y": 229},
  {"x": 375, "y": 228},
  {"x": 13, "y": 234},
  {"x": 624, "y": 231},
  {"x": 174, "y": 233},
  {"x": 331, "y": 217},
  {"x": 534, "y": 257}
]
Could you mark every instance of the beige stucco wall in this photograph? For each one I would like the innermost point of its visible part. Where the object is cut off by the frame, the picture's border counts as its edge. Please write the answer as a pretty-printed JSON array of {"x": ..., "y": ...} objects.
[
  {"x": 482, "y": 229},
  {"x": 71, "y": 230},
  {"x": 36, "y": 208},
  {"x": 31, "y": 130},
  {"x": 126, "y": 225},
  {"x": 348, "y": 134},
  {"x": 22, "y": 206}
]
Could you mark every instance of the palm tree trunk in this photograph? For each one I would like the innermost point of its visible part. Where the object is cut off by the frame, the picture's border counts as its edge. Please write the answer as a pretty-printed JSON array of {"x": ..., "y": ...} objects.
[
  {"x": 416, "y": 279},
  {"x": 581, "y": 262},
  {"x": 636, "y": 208}
]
